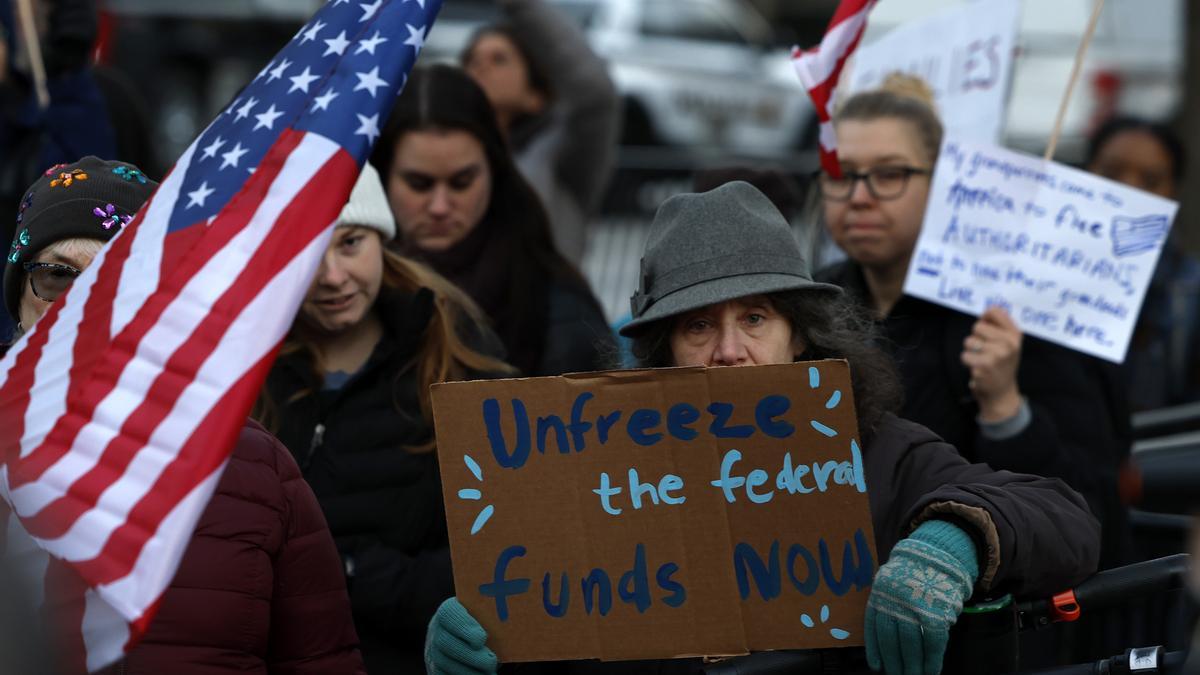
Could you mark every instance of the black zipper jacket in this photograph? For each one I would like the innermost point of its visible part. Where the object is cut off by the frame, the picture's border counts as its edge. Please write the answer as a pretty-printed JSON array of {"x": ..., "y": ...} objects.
[{"x": 383, "y": 503}]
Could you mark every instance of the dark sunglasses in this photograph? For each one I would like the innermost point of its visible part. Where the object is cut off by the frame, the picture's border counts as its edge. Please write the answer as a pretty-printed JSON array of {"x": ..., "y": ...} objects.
[{"x": 50, "y": 280}]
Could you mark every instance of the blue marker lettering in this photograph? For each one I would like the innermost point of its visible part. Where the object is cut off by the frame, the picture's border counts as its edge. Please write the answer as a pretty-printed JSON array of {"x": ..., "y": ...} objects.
[
  {"x": 552, "y": 423},
  {"x": 679, "y": 417},
  {"x": 758, "y": 477},
  {"x": 598, "y": 579},
  {"x": 766, "y": 576},
  {"x": 578, "y": 426},
  {"x": 813, "y": 580},
  {"x": 678, "y": 592},
  {"x": 634, "y": 587},
  {"x": 500, "y": 587},
  {"x": 728, "y": 483},
  {"x": 769, "y": 408},
  {"x": 668, "y": 483},
  {"x": 642, "y": 421},
  {"x": 721, "y": 413},
  {"x": 491, "y": 419},
  {"x": 637, "y": 489},
  {"x": 859, "y": 575},
  {"x": 605, "y": 423},
  {"x": 564, "y": 596},
  {"x": 606, "y": 491}
]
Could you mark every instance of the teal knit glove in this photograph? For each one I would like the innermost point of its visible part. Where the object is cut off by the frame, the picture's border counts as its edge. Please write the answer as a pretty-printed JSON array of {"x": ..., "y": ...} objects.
[
  {"x": 456, "y": 643},
  {"x": 917, "y": 596}
]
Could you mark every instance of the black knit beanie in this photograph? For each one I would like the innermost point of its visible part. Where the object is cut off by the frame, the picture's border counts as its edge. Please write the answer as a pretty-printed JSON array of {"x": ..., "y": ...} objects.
[{"x": 90, "y": 199}]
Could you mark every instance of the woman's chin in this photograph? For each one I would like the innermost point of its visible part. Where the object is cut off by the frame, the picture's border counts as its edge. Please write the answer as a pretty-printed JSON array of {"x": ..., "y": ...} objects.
[{"x": 333, "y": 323}]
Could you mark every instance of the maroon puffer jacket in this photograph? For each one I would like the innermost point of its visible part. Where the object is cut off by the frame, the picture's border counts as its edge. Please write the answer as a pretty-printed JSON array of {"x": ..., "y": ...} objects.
[{"x": 261, "y": 587}]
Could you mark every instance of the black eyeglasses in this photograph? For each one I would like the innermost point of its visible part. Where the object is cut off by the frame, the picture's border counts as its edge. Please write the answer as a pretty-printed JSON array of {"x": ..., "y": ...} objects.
[
  {"x": 883, "y": 182},
  {"x": 50, "y": 280}
]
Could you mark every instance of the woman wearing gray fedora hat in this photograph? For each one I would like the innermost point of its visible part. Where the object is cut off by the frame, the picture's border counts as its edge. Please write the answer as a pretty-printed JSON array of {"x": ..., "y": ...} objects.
[{"x": 724, "y": 283}]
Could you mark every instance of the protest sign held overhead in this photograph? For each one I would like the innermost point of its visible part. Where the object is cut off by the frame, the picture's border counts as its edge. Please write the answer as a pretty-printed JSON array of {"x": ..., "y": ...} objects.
[
  {"x": 651, "y": 514},
  {"x": 1068, "y": 254},
  {"x": 964, "y": 53}
]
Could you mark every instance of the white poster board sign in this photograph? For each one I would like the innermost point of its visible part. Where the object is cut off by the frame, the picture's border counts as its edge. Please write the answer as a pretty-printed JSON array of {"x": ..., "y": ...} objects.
[
  {"x": 965, "y": 53},
  {"x": 1068, "y": 254}
]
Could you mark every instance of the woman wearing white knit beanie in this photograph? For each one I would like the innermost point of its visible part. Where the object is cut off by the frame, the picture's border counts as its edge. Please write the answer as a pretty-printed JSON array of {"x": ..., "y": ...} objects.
[
  {"x": 349, "y": 396},
  {"x": 368, "y": 206}
]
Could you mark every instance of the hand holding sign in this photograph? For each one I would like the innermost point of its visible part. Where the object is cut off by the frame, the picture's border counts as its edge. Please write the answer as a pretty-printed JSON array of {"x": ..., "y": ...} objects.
[
  {"x": 654, "y": 514},
  {"x": 456, "y": 644},
  {"x": 993, "y": 353},
  {"x": 1067, "y": 254}
]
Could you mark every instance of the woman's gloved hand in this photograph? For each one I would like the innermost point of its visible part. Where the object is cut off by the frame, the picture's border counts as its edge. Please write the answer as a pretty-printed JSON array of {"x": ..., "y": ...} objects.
[
  {"x": 917, "y": 596},
  {"x": 456, "y": 644}
]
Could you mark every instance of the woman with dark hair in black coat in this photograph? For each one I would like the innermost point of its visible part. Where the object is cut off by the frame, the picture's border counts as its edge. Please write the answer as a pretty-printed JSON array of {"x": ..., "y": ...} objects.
[
  {"x": 1162, "y": 367},
  {"x": 462, "y": 207}
]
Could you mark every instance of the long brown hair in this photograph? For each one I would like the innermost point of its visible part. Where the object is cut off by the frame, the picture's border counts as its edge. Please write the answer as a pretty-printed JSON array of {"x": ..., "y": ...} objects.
[
  {"x": 444, "y": 98},
  {"x": 443, "y": 355}
]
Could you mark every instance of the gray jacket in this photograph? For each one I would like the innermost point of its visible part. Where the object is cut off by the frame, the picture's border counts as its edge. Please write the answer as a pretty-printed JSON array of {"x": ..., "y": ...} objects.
[{"x": 568, "y": 153}]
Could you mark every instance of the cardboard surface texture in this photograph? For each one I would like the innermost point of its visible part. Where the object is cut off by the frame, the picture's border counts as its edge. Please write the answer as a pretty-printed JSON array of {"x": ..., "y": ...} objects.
[{"x": 746, "y": 528}]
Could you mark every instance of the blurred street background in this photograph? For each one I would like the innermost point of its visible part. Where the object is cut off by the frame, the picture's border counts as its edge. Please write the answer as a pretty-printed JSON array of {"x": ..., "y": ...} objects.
[{"x": 705, "y": 83}]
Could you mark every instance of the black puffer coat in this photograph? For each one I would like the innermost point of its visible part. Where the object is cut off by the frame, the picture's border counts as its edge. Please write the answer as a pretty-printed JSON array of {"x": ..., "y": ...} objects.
[
  {"x": 383, "y": 503},
  {"x": 1080, "y": 430}
]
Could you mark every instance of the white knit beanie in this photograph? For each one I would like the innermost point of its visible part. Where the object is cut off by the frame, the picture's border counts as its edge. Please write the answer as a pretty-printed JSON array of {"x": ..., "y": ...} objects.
[{"x": 368, "y": 206}]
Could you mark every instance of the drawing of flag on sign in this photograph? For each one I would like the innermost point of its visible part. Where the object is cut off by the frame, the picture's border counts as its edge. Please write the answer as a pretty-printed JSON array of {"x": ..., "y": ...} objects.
[{"x": 119, "y": 409}]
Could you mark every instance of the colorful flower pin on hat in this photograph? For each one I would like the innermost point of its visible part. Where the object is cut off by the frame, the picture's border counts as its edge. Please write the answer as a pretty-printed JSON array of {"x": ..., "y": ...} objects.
[
  {"x": 22, "y": 241},
  {"x": 111, "y": 217},
  {"x": 68, "y": 178},
  {"x": 130, "y": 174}
]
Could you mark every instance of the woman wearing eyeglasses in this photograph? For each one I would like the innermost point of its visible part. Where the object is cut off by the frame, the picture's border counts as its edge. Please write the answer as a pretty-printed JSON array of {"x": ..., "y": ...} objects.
[
  {"x": 261, "y": 568},
  {"x": 1015, "y": 403}
]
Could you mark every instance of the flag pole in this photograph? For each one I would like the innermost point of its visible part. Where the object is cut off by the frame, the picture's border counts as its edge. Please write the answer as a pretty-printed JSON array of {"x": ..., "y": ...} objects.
[
  {"x": 33, "y": 49},
  {"x": 1075, "y": 70}
]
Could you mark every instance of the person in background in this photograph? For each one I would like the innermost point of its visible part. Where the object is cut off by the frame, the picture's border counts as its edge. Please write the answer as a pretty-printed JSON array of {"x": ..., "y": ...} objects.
[
  {"x": 349, "y": 396},
  {"x": 74, "y": 125},
  {"x": 1162, "y": 367},
  {"x": 462, "y": 206},
  {"x": 557, "y": 106},
  {"x": 261, "y": 569},
  {"x": 1011, "y": 401},
  {"x": 969, "y": 530}
]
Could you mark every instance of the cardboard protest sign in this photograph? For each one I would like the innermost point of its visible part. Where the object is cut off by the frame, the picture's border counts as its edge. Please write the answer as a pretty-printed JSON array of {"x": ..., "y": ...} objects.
[
  {"x": 1067, "y": 253},
  {"x": 654, "y": 514},
  {"x": 965, "y": 53}
]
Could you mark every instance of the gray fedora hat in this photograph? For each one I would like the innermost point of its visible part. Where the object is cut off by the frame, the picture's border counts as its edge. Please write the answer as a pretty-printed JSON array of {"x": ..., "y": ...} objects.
[{"x": 720, "y": 245}]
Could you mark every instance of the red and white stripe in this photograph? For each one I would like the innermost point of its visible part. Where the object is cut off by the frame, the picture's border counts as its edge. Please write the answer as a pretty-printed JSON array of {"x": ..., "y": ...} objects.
[
  {"x": 820, "y": 67},
  {"x": 127, "y": 396}
]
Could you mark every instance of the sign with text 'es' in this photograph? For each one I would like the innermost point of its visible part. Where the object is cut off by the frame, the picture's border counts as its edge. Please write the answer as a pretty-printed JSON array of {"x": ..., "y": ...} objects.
[
  {"x": 658, "y": 513},
  {"x": 1068, "y": 254},
  {"x": 965, "y": 53}
]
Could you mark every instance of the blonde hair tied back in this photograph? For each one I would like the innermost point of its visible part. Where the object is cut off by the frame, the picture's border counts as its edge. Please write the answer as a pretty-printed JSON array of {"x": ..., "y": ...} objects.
[{"x": 912, "y": 86}]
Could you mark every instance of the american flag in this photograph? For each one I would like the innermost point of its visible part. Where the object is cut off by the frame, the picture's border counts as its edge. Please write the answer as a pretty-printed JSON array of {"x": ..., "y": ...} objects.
[
  {"x": 119, "y": 409},
  {"x": 820, "y": 67}
]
